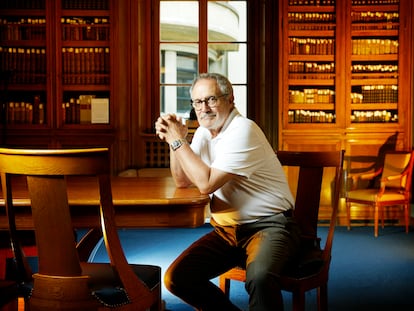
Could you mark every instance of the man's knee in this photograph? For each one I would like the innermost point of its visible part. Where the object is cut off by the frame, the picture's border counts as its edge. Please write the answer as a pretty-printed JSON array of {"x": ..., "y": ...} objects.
[
  {"x": 168, "y": 279},
  {"x": 175, "y": 278},
  {"x": 172, "y": 279},
  {"x": 259, "y": 278}
]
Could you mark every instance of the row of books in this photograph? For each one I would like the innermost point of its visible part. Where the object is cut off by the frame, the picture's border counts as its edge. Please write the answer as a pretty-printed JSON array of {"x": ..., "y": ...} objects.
[
  {"x": 332, "y": 2},
  {"x": 87, "y": 109},
  {"x": 374, "y": 27},
  {"x": 18, "y": 31},
  {"x": 369, "y": 116},
  {"x": 26, "y": 112},
  {"x": 22, "y": 4},
  {"x": 374, "y": 17},
  {"x": 374, "y": 68},
  {"x": 26, "y": 65},
  {"x": 307, "y": 68},
  {"x": 23, "y": 29},
  {"x": 310, "y": 76},
  {"x": 374, "y": 97},
  {"x": 356, "y": 98},
  {"x": 312, "y": 96},
  {"x": 311, "y": 17},
  {"x": 309, "y": 116},
  {"x": 84, "y": 20},
  {"x": 312, "y": 2},
  {"x": 379, "y": 94},
  {"x": 326, "y": 21},
  {"x": 374, "y": 2},
  {"x": 311, "y": 46},
  {"x": 66, "y": 4},
  {"x": 79, "y": 29},
  {"x": 85, "y": 4},
  {"x": 82, "y": 78},
  {"x": 86, "y": 60},
  {"x": 374, "y": 46},
  {"x": 355, "y": 27},
  {"x": 300, "y": 26},
  {"x": 311, "y": 67},
  {"x": 375, "y": 116},
  {"x": 324, "y": 96}
]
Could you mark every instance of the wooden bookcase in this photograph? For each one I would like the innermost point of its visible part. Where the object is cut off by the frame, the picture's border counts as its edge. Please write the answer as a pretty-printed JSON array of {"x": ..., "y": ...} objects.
[
  {"x": 345, "y": 78},
  {"x": 56, "y": 60}
]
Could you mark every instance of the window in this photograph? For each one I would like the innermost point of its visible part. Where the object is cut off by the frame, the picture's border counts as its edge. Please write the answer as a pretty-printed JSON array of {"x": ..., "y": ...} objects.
[{"x": 200, "y": 36}]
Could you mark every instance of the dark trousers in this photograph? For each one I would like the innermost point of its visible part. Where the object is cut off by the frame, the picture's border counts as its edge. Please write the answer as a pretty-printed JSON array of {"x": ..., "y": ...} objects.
[{"x": 263, "y": 247}]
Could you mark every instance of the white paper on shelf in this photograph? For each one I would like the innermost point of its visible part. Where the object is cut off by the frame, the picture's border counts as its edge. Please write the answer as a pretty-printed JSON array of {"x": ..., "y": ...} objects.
[{"x": 100, "y": 110}]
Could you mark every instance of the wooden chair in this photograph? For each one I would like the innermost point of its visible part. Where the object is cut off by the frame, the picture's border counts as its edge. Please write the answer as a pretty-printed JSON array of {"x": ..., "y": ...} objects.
[
  {"x": 311, "y": 270},
  {"x": 63, "y": 282},
  {"x": 394, "y": 188}
]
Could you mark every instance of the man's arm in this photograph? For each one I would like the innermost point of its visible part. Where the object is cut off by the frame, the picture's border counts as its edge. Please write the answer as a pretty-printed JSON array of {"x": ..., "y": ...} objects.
[
  {"x": 186, "y": 166},
  {"x": 177, "y": 172},
  {"x": 205, "y": 178}
]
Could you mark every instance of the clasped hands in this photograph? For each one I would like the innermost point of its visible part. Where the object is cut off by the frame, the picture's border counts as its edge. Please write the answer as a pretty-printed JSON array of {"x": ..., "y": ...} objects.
[{"x": 170, "y": 127}]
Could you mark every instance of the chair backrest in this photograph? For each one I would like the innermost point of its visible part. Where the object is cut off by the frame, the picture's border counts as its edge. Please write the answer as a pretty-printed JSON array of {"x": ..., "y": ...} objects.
[
  {"x": 46, "y": 172},
  {"x": 397, "y": 163},
  {"x": 313, "y": 167}
]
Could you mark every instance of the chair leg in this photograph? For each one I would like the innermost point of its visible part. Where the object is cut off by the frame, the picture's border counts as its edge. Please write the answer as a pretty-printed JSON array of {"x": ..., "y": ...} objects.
[
  {"x": 323, "y": 297},
  {"x": 348, "y": 215},
  {"x": 407, "y": 212},
  {"x": 376, "y": 218},
  {"x": 298, "y": 301},
  {"x": 159, "y": 306},
  {"x": 224, "y": 284}
]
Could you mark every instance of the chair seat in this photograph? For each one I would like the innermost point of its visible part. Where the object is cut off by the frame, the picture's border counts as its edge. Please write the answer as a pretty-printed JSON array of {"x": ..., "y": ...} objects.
[
  {"x": 106, "y": 286},
  {"x": 307, "y": 265},
  {"x": 102, "y": 274},
  {"x": 372, "y": 195}
]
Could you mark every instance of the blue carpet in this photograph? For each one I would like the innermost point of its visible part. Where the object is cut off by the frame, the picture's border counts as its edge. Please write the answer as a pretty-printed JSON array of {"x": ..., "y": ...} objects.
[{"x": 367, "y": 273}]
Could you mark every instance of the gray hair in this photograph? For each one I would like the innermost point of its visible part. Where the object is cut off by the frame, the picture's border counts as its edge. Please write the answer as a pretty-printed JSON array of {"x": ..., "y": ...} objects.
[{"x": 223, "y": 83}]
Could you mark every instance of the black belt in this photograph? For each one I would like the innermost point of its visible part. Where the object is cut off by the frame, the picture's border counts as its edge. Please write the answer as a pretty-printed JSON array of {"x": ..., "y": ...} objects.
[{"x": 288, "y": 213}]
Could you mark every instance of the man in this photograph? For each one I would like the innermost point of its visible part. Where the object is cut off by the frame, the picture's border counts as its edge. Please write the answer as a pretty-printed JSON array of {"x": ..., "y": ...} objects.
[{"x": 251, "y": 205}]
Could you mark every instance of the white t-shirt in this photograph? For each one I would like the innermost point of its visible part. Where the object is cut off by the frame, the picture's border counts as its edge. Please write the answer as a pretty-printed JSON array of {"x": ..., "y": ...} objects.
[{"x": 260, "y": 189}]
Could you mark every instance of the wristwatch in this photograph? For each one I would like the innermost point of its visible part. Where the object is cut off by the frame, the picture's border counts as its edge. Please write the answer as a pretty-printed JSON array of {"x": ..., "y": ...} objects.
[{"x": 178, "y": 143}]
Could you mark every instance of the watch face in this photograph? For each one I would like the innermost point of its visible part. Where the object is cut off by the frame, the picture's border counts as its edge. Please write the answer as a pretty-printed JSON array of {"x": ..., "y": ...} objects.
[{"x": 176, "y": 144}]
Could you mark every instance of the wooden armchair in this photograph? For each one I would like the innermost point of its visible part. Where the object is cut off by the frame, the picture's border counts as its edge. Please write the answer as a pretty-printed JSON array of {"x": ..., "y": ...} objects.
[
  {"x": 63, "y": 282},
  {"x": 311, "y": 271},
  {"x": 394, "y": 189}
]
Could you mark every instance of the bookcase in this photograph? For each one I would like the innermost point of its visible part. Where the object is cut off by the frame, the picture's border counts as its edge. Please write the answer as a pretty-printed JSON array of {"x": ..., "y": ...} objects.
[
  {"x": 345, "y": 77},
  {"x": 374, "y": 62},
  {"x": 346, "y": 73},
  {"x": 55, "y": 64},
  {"x": 310, "y": 63}
]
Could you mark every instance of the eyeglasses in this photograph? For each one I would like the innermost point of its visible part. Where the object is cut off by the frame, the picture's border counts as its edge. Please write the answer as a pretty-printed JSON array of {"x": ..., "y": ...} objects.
[{"x": 210, "y": 101}]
